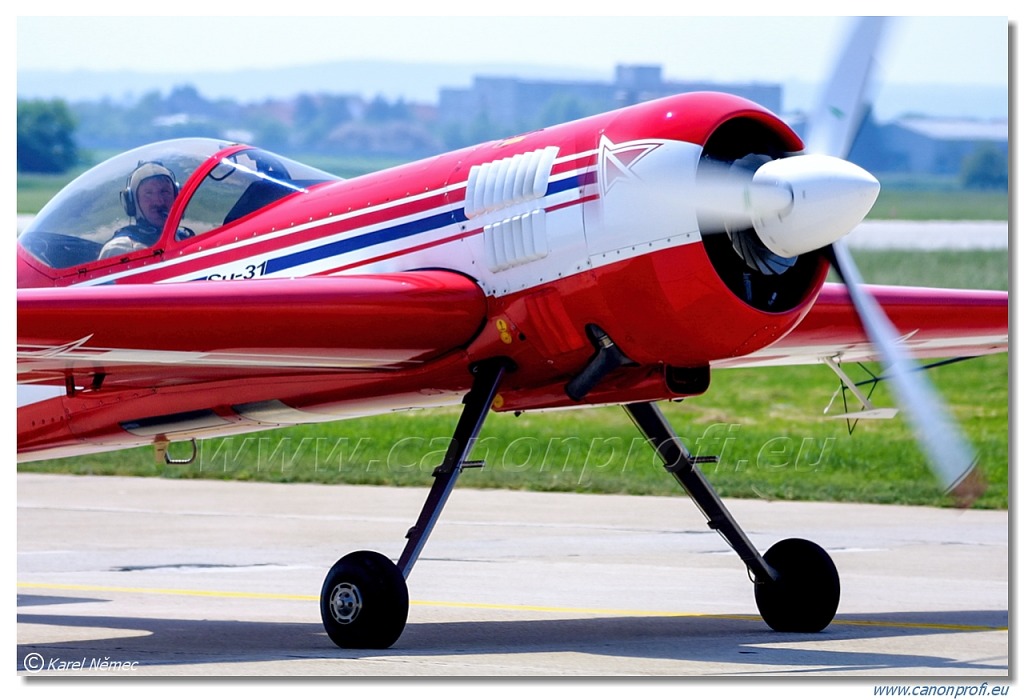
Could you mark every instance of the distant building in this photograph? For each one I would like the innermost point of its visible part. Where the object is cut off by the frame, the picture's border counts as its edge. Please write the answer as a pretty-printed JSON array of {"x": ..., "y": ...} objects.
[
  {"x": 936, "y": 146},
  {"x": 498, "y": 106},
  {"x": 511, "y": 104},
  {"x": 921, "y": 145}
]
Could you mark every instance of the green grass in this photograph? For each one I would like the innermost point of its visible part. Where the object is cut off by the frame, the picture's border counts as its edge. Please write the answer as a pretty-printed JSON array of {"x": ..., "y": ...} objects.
[
  {"x": 941, "y": 205},
  {"x": 34, "y": 191},
  {"x": 957, "y": 269},
  {"x": 765, "y": 425}
]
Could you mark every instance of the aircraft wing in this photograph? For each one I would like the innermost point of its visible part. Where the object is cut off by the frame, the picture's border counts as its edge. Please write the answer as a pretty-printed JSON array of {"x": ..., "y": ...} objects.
[
  {"x": 931, "y": 323},
  {"x": 161, "y": 334}
]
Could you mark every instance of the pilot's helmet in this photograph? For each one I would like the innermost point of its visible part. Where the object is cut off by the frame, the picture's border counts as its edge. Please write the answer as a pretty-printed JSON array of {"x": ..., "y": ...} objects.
[{"x": 143, "y": 172}]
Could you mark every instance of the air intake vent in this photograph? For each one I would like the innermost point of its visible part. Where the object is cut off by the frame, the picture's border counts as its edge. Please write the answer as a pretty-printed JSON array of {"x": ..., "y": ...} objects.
[
  {"x": 515, "y": 241},
  {"x": 503, "y": 183}
]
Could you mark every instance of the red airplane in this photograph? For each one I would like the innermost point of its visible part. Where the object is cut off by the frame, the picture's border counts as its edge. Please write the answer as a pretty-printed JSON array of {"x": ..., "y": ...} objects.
[{"x": 197, "y": 288}]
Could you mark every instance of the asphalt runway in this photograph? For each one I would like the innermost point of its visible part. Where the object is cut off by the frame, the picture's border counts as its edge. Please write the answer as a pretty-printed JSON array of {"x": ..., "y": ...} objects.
[{"x": 159, "y": 577}]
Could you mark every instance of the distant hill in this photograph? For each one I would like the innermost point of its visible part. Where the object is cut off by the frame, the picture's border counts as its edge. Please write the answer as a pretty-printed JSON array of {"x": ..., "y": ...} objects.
[{"x": 421, "y": 82}]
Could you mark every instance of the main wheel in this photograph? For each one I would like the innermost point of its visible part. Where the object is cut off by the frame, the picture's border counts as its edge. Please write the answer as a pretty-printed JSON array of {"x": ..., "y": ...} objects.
[
  {"x": 364, "y": 602},
  {"x": 806, "y": 595}
]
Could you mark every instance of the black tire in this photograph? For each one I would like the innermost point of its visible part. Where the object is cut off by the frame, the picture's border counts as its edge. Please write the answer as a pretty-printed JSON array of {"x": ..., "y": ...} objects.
[
  {"x": 806, "y": 595},
  {"x": 364, "y": 602}
]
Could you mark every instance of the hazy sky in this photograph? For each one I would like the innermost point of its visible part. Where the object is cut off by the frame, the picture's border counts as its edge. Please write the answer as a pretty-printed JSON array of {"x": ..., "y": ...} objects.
[{"x": 921, "y": 49}]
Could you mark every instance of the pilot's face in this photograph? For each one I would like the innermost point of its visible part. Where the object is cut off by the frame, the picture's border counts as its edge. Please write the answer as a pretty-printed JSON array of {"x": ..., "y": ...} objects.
[{"x": 154, "y": 197}]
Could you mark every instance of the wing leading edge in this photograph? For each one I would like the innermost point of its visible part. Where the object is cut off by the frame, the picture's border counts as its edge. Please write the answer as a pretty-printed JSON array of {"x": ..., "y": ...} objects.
[
  {"x": 932, "y": 323},
  {"x": 150, "y": 334}
]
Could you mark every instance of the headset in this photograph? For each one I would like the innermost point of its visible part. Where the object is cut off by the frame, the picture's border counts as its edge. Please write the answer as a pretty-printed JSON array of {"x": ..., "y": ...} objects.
[{"x": 143, "y": 171}]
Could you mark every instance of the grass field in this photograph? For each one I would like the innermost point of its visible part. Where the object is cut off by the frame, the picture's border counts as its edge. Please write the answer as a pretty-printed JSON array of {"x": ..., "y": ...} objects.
[
  {"x": 941, "y": 205},
  {"x": 765, "y": 425}
]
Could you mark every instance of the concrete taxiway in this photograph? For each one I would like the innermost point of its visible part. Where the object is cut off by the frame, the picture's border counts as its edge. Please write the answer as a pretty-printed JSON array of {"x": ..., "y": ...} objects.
[{"x": 133, "y": 577}]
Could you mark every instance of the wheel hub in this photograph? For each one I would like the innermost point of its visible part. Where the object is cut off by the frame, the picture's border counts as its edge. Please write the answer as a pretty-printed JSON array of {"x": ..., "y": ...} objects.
[{"x": 346, "y": 603}]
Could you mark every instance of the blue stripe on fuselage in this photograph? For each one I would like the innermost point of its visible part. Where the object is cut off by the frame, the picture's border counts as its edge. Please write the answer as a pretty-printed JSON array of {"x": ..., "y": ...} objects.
[
  {"x": 366, "y": 240},
  {"x": 386, "y": 235}
]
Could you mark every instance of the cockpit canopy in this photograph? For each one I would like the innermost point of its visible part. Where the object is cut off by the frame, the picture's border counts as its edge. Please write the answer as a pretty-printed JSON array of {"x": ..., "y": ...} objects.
[{"x": 215, "y": 184}]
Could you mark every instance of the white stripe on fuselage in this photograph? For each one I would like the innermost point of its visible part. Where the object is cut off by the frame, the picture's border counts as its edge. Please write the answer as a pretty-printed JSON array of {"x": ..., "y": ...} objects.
[{"x": 125, "y": 276}]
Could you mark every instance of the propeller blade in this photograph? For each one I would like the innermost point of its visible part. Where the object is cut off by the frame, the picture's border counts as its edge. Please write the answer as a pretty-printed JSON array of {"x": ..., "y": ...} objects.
[
  {"x": 949, "y": 453},
  {"x": 831, "y": 132},
  {"x": 841, "y": 109}
]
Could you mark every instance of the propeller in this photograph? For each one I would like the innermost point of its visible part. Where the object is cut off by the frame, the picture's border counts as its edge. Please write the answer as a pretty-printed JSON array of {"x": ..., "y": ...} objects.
[
  {"x": 831, "y": 131},
  {"x": 775, "y": 210},
  {"x": 949, "y": 454}
]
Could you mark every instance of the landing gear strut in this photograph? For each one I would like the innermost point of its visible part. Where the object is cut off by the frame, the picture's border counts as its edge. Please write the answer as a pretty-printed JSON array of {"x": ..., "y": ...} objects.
[
  {"x": 364, "y": 602},
  {"x": 796, "y": 585}
]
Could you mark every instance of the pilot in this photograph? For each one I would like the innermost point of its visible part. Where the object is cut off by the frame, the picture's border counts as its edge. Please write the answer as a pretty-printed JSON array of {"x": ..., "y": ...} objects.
[{"x": 147, "y": 197}]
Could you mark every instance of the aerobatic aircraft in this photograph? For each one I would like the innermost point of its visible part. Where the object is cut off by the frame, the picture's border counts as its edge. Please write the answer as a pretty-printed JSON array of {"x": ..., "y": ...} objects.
[{"x": 197, "y": 288}]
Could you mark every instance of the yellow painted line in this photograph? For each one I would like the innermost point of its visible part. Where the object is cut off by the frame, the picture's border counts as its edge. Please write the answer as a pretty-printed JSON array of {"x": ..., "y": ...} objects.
[{"x": 495, "y": 606}]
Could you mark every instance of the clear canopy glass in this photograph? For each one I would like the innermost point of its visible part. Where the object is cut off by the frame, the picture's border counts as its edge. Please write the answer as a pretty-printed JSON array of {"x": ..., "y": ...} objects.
[{"x": 233, "y": 181}]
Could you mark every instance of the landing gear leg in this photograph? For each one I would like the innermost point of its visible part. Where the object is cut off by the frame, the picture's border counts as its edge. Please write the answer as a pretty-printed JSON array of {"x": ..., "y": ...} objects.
[
  {"x": 796, "y": 586},
  {"x": 476, "y": 405},
  {"x": 364, "y": 602}
]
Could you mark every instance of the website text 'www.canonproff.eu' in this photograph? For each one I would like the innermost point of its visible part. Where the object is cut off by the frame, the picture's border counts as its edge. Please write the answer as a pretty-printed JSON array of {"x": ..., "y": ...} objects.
[{"x": 942, "y": 690}]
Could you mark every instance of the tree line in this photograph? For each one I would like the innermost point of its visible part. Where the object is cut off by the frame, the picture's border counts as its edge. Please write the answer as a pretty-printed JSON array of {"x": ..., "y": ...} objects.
[
  {"x": 54, "y": 135},
  {"x": 46, "y": 137}
]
